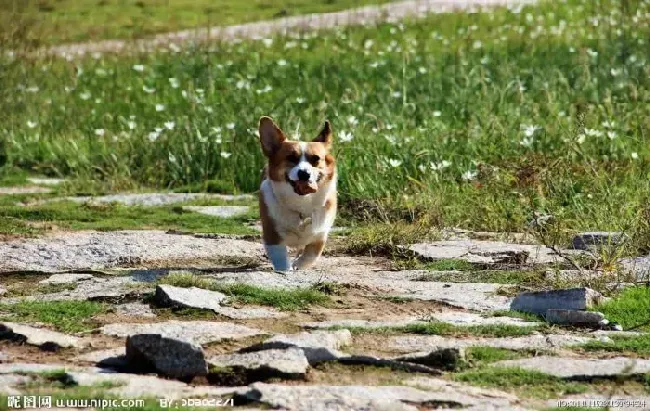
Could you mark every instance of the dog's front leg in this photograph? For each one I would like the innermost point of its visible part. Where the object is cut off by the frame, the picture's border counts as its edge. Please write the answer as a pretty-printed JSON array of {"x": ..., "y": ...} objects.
[
  {"x": 279, "y": 256},
  {"x": 309, "y": 255}
]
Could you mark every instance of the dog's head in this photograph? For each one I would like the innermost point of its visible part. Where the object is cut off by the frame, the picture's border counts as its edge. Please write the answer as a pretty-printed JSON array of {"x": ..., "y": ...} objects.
[{"x": 306, "y": 166}]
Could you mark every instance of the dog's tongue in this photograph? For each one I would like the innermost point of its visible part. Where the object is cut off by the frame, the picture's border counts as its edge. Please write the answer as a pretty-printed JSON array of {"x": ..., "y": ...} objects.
[{"x": 306, "y": 187}]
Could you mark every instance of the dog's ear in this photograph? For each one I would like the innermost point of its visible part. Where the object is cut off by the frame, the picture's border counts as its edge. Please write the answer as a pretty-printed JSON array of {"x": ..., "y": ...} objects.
[
  {"x": 325, "y": 136},
  {"x": 271, "y": 137}
]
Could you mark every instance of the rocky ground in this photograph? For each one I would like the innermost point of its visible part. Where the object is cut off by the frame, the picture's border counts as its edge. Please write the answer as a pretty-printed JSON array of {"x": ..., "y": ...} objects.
[{"x": 153, "y": 314}]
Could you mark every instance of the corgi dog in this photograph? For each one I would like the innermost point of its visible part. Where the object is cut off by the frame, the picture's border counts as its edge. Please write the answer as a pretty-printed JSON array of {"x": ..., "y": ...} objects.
[{"x": 298, "y": 197}]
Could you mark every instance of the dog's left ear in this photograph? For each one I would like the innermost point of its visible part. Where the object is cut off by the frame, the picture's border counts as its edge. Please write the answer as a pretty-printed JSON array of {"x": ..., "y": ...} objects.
[{"x": 325, "y": 136}]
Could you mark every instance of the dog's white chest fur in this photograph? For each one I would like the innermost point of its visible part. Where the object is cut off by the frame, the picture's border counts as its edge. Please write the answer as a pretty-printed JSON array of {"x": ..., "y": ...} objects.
[{"x": 299, "y": 220}]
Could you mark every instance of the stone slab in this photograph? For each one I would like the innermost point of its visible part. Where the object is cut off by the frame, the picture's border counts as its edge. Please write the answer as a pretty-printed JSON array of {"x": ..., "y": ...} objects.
[
  {"x": 427, "y": 343},
  {"x": 198, "y": 332},
  {"x": 580, "y": 298},
  {"x": 580, "y": 368},
  {"x": 92, "y": 250}
]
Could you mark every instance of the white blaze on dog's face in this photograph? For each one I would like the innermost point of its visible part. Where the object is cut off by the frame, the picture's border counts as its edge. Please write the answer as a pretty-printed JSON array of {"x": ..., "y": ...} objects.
[{"x": 306, "y": 166}]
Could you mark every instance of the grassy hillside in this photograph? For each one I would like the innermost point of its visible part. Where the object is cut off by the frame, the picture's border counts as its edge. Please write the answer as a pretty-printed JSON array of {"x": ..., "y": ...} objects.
[
  {"x": 479, "y": 120},
  {"x": 58, "y": 21}
]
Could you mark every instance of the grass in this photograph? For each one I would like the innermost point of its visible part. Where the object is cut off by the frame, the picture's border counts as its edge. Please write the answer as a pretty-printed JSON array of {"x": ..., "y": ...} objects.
[
  {"x": 637, "y": 345},
  {"x": 449, "y": 265},
  {"x": 485, "y": 355},
  {"x": 109, "y": 217},
  {"x": 65, "y": 316},
  {"x": 525, "y": 383},
  {"x": 56, "y": 21},
  {"x": 630, "y": 309},
  {"x": 479, "y": 119},
  {"x": 282, "y": 299},
  {"x": 22, "y": 289}
]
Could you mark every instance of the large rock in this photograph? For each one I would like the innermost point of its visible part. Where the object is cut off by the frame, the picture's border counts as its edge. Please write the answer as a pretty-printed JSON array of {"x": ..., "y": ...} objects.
[
  {"x": 575, "y": 318},
  {"x": 40, "y": 337},
  {"x": 245, "y": 368},
  {"x": 66, "y": 278},
  {"x": 168, "y": 356},
  {"x": 193, "y": 297},
  {"x": 219, "y": 211},
  {"x": 539, "y": 302},
  {"x": 318, "y": 346},
  {"x": 380, "y": 398},
  {"x": 585, "y": 241},
  {"x": 486, "y": 252},
  {"x": 424, "y": 344},
  {"x": 197, "y": 332},
  {"x": 579, "y": 368},
  {"x": 87, "y": 250}
]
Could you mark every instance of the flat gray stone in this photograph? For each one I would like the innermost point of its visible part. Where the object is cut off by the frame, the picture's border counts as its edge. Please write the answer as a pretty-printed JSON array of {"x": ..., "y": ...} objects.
[
  {"x": 579, "y": 368},
  {"x": 102, "y": 355},
  {"x": 538, "y": 302},
  {"x": 114, "y": 289},
  {"x": 193, "y": 297},
  {"x": 352, "y": 323},
  {"x": 37, "y": 368},
  {"x": 424, "y": 344},
  {"x": 46, "y": 181},
  {"x": 586, "y": 241},
  {"x": 138, "y": 386},
  {"x": 167, "y": 356},
  {"x": 318, "y": 346},
  {"x": 24, "y": 190},
  {"x": 486, "y": 252},
  {"x": 3, "y": 356},
  {"x": 40, "y": 337},
  {"x": 91, "y": 250},
  {"x": 472, "y": 296},
  {"x": 135, "y": 310},
  {"x": 10, "y": 382},
  {"x": 197, "y": 332},
  {"x": 574, "y": 317},
  {"x": 219, "y": 211},
  {"x": 379, "y": 398},
  {"x": 66, "y": 278},
  {"x": 284, "y": 363},
  {"x": 467, "y": 319},
  {"x": 147, "y": 199},
  {"x": 3, "y": 291},
  {"x": 638, "y": 267}
]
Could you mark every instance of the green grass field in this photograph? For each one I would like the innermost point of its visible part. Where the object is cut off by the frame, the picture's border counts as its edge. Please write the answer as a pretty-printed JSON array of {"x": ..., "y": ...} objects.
[
  {"x": 46, "y": 22},
  {"x": 473, "y": 120}
]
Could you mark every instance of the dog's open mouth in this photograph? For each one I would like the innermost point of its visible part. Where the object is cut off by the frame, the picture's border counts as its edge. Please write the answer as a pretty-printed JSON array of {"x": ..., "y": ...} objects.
[{"x": 303, "y": 187}]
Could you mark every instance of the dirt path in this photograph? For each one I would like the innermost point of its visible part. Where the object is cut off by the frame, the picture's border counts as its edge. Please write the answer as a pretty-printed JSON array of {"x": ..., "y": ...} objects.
[{"x": 360, "y": 16}]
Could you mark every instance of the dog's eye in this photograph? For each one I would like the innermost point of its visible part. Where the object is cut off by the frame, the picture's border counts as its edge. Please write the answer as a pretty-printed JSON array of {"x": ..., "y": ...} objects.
[
  {"x": 293, "y": 158},
  {"x": 314, "y": 159}
]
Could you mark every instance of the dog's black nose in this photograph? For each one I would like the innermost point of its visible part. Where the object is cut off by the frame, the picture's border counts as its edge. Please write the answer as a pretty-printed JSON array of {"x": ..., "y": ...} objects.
[{"x": 303, "y": 175}]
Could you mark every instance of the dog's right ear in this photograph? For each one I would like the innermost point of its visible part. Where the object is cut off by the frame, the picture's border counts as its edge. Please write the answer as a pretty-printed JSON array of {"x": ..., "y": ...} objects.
[{"x": 271, "y": 137}]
